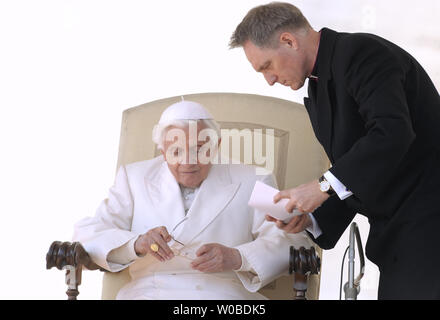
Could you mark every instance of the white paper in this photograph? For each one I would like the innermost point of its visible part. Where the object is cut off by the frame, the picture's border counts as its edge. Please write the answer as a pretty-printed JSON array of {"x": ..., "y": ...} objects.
[{"x": 262, "y": 200}]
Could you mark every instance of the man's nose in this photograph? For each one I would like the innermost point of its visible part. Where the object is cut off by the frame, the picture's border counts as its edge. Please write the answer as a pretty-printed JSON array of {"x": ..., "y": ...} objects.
[
  {"x": 270, "y": 78},
  {"x": 191, "y": 156}
]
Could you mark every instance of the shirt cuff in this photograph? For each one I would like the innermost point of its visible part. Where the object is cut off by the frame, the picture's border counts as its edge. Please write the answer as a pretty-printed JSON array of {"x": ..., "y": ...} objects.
[
  {"x": 245, "y": 265},
  {"x": 338, "y": 187},
  {"x": 315, "y": 230},
  {"x": 124, "y": 254}
]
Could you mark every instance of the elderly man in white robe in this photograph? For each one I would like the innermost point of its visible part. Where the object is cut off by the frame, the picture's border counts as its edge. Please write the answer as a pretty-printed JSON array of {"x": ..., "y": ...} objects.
[{"x": 182, "y": 226}]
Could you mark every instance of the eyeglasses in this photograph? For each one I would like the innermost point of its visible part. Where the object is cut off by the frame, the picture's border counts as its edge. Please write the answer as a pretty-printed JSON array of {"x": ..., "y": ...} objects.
[
  {"x": 177, "y": 246},
  {"x": 174, "y": 229}
]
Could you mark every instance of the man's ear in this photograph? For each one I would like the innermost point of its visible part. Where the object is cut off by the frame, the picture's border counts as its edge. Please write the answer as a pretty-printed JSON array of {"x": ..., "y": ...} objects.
[
  {"x": 163, "y": 154},
  {"x": 289, "y": 40}
]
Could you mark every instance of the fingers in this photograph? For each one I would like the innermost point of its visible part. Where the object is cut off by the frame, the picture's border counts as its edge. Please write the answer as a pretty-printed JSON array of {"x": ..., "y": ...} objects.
[
  {"x": 156, "y": 255},
  {"x": 292, "y": 223},
  {"x": 158, "y": 236},
  {"x": 210, "y": 249},
  {"x": 164, "y": 250},
  {"x": 204, "y": 254},
  {"x": 209, "y": 258},
  {"x": 293, "y": 204},
  {"x": 208, "y": 266},
  {"x": 290, "y": 206},
  {"x": 164, "y": 233},
  {"x": 297, "y": 224},
  {"x": 270, "y": 218},
  {"x": 284, "y": 194},
  {"x": 203, "y": 249},
  {"x": 304, "y": 198},
  {"x": 216, "y": 257},
  {"x": 280, "y": 224}
]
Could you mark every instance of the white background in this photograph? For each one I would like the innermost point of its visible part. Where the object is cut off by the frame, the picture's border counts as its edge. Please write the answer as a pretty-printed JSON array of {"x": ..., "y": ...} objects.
[{"x": 69, "y": 68}]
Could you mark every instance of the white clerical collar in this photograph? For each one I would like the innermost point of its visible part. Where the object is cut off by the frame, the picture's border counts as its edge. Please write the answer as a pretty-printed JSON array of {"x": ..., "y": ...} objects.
[
  {"x": 187, "y": 191},
  {"x": 188, "y": 195}
]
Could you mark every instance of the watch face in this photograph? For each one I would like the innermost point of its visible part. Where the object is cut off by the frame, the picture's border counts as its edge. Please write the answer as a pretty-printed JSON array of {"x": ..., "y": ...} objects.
[{"x": 324, "y": 186}]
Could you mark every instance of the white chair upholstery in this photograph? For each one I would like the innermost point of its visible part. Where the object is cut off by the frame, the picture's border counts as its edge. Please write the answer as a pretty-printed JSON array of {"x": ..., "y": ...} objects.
[{"x": 299, "y": 157}]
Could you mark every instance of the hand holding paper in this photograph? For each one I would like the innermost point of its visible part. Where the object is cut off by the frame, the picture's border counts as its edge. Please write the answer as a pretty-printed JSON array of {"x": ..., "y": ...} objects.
[{"x": 262, "y": 199}]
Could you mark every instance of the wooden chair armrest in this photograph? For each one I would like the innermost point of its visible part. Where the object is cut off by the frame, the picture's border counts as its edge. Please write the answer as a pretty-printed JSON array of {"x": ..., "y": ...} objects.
[
  {"x": 71, "y": 257},
  {"x": 302, "y": 263},
  {"x": 61, "y": 254}
]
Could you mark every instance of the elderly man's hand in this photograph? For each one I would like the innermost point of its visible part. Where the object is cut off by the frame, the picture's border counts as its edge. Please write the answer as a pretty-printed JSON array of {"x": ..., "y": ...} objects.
[
  {"x": 214, "y": 257},
  {"x": 297, "y": 224},
  {"x": 305, "y": 198},
  {"x": 158, "y": 236}
]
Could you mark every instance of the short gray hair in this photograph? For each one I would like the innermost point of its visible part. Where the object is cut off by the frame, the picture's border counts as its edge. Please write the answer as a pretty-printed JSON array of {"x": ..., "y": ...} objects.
[
  {"x": 263, "y": 22},
  {"x": 160, "y": 130}
]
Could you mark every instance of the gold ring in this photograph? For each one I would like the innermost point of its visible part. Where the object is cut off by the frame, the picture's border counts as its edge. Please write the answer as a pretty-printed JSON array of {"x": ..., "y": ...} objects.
[{"x": 154, "y": 247}]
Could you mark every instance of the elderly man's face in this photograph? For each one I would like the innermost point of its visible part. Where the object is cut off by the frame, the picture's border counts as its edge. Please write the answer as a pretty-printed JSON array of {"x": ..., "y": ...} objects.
[
  {"x": 285, "y": 64},
  {"x": 183, "y": 159}
]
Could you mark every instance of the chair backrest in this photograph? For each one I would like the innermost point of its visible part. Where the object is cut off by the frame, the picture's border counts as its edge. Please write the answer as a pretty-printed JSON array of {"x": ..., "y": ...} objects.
[{"x": 299, "y": 157}]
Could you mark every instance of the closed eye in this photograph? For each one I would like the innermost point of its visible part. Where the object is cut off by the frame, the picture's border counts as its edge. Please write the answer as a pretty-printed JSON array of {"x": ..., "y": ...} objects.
[{"x": 265, "y": 66}]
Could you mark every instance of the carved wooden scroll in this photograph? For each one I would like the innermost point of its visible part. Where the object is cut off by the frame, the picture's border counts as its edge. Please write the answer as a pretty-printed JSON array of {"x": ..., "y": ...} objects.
[
  {"x": 302, "y": 263},
  {"x": 71, "y": 257}
]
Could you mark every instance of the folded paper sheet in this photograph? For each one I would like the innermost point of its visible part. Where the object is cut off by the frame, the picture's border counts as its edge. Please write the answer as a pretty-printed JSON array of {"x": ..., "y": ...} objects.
[{"x": 262, "y": 200}]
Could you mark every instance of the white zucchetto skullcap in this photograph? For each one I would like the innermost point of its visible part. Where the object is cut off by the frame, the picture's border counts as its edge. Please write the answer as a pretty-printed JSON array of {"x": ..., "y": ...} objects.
[{"x": 185, "y": 110}]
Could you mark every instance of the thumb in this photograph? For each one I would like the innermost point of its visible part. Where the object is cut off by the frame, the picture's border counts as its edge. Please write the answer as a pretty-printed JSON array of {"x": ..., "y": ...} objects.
[
  {"x": 284, "y": 194},
  {"x": 270, "y": 218},
  {"x": 203, "y": 249},
  {"x": 165, "y": 235}
]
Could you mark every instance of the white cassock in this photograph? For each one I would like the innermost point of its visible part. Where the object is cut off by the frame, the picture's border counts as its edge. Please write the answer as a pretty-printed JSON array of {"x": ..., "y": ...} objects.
[{"x": 146, "y": 195}]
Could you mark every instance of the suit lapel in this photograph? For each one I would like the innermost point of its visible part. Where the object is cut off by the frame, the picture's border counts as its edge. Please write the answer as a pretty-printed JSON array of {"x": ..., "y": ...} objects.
[
  {"x": 324, "y": 112},
  {"x": 166, "y": 197},
  {"x": 215, "y": 193},
  {"x": 325, "y": 118},
  {"x": 311, "y": 110}
]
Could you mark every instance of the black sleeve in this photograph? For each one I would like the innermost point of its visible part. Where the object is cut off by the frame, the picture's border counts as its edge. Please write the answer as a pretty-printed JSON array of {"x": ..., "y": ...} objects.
[
  {"x": 332, "y": 217},
  {"x": 374, "y": 76}
]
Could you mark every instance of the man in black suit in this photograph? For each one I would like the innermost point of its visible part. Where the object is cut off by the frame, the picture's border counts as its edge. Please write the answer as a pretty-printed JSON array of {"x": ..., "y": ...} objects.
[{"x": 377, "y": 114}]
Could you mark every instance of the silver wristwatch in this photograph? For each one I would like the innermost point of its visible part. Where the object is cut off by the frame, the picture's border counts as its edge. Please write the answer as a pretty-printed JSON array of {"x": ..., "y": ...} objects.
[{"x": 325, "y": 186}]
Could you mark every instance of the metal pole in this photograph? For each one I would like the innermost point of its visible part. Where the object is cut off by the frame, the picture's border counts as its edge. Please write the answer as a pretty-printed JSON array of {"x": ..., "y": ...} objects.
[{"x": 352, "y": 287}]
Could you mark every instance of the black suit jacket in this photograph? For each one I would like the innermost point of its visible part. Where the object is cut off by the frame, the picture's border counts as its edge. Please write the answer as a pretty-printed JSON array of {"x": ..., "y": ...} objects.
[{"x": 377, "y": 114}]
